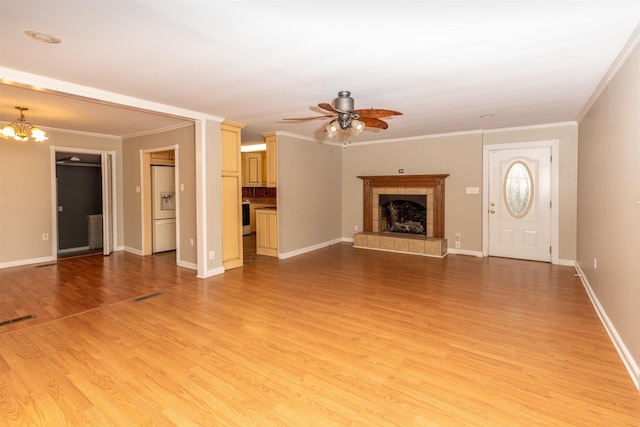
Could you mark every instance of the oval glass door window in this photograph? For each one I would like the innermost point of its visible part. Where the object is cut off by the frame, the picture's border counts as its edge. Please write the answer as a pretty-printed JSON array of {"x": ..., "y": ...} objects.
[{"x": 518, "y": 189}]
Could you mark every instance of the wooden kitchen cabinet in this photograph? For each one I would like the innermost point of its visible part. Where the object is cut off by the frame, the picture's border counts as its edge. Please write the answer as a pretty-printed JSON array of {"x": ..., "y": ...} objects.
[
  {"x": 253, "y": 169},
  {"x": 232, "y": 251},
  {"x": 163, "y": 158},
  {"x": 271, "y": 140},
  {"x": 267, "y": 231}
]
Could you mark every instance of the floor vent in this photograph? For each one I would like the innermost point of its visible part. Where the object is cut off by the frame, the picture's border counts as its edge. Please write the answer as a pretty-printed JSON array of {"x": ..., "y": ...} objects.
[
  {"x": 144, "y": 297},
  {"x": 46, "y": 265},
  {"x": 17, "y": 319}
]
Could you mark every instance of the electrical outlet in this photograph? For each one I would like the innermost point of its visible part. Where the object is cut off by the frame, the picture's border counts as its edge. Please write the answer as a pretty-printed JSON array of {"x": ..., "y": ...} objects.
[
  {"x": 355, "y": 228},
  {"x": 191, "y": 241},
  {"x": 595, "y": 263},
  {"x": 457, "y": 245},
  {"x": 45, "y": 236},
  {"x": 212, "y": 254}
]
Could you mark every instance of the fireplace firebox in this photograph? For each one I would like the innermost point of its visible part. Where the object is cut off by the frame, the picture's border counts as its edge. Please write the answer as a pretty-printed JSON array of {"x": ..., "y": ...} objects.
[{"x": 403, "y": 213}]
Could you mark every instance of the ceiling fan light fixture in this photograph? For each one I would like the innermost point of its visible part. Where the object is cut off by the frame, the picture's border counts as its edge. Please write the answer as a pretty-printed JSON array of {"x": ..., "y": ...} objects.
[
  {"x": 356, "y": 127},
  {"x": 346, "y": 120},
  {"x": 333, "y": 128}
]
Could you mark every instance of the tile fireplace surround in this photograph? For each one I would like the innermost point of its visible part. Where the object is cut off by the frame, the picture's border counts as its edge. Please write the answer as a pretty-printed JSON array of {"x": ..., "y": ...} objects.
[{"x": 433, "y": 244}]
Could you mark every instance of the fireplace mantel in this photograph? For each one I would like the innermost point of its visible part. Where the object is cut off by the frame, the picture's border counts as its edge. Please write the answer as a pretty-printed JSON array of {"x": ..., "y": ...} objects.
[{"x": 434, "y": 182}]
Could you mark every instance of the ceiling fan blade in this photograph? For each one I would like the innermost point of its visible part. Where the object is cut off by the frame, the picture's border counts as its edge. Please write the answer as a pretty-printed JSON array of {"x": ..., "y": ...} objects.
[
  {"x": 311, "y": 118},
  {"x": 375, "y": 113},
  {"x": 373, "y": 123},
  {"x": 329, "y": 107}
]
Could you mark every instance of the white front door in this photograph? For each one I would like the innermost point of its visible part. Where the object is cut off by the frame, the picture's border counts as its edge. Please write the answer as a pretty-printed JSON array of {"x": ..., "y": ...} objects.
[{"x": 520, "y": 203}]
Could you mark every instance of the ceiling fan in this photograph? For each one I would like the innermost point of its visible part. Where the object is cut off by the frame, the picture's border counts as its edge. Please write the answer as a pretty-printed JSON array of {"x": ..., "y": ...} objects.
[{"x": 345, "y": 117}]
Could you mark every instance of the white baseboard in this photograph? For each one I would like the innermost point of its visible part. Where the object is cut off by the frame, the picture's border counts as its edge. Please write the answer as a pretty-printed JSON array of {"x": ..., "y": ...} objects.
[
  {"x": 20, "y": 262},
  {"x": 214, "y": 272},
  {"x": 566, "y": 262},
  {"x": 188, "y": 265},
  {"x": 464, "y": 252},
  {"x": 309, "y": 249},
  {"x": 627, "y": 359},
  {"x": 133, "y": 250}
]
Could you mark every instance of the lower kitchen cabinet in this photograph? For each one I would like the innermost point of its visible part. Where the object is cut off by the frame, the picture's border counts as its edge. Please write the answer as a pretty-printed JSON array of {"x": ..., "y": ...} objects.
[{"x": 267, "y": 231}]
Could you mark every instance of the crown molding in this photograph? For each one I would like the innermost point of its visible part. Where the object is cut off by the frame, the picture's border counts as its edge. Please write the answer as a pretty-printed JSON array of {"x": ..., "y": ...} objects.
[
  {"x": 613, "y": 70},
  {"x": 156, "y": 131},
  {"x": 530, "y": 127}
]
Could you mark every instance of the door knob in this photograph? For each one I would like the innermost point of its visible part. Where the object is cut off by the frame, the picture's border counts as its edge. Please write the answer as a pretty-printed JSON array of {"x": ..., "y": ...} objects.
[
  {"x": 493, "y": 204},
  {"x": 492, "y": 211}
]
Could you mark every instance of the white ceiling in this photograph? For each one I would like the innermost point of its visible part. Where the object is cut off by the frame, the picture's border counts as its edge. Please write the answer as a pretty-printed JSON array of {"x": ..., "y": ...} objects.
[{"x": 444, "y": 64}]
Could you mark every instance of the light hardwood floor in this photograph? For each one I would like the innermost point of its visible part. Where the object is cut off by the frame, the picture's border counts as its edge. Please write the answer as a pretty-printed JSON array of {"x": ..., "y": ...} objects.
[{"x": 339, "y": 336}]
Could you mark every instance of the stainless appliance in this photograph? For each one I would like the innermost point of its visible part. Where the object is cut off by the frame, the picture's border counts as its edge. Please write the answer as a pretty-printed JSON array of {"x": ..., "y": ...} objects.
[
  {"x": 163, "y": 208},
  {"x": 246, "y": 218}
]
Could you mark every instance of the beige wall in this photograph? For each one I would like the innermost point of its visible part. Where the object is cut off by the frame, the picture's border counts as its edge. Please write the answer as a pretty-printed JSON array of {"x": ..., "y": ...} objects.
[
  {"x": 184, "y": 138},
  {"x": 608, "y": 203},
  {"x": 213, "y": 188},
  {"x": 460, "y": 156},
  {"x": 309, "y": 187},
  {"x": 26, "y": 210},
  {"x": 567, "y": 135}
]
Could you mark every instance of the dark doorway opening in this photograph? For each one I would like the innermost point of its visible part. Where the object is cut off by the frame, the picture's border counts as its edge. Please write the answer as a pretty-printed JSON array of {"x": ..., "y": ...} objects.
[{"x": 79, "y": 203}]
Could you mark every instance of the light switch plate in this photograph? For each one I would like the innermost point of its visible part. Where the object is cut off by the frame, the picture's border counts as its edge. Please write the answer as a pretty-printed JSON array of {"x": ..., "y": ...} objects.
[{"x": 473, "y": 190}]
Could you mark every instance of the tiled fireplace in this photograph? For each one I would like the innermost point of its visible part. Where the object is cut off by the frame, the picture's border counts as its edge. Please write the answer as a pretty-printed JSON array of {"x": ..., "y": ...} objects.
[{"x": 403, "y": 213}]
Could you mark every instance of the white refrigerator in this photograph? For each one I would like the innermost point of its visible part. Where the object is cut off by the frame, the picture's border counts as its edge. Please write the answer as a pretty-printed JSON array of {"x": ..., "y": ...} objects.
[{"x": 163, "y": 208}]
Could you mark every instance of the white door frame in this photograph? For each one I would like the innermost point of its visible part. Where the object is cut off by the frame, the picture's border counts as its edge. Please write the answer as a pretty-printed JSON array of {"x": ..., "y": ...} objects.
[
  {"x": 106, "y": 161},
  {"x": 554, "y": 146},
  {"x": 54, "y": 194}
]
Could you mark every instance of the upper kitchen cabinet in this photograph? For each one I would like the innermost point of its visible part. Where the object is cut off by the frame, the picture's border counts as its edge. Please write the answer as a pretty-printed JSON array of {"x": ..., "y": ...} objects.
[
  {"x": 272, "y": 158},
  {"x": 254, "y": 169},
  {"x": 166, "y": 158}
]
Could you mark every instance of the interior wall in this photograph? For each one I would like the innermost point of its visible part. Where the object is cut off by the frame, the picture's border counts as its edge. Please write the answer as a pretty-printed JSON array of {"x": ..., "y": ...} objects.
[
  {"x": 309, "y": 193},
  {"x": 567, "y": 135},
  {"x": 608, "y": 231},
  {"x": 213, "y": 192},
  {"x": 183, "y": 137},
  {"x": 459, "y": 155},
  {"x": 26, "y": 193}
]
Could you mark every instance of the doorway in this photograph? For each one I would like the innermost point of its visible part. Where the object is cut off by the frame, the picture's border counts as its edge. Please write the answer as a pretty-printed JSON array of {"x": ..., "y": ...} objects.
[
  {"x": 520, "y": 213},
  {"x": 83, "y": 202},
  {"x": 160, "y": 201}
]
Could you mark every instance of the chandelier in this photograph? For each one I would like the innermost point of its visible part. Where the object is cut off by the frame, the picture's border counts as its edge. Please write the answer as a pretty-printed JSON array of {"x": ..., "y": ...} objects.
[{"x": 21, "y": 130}]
